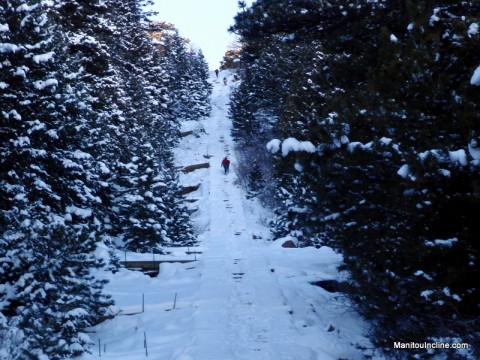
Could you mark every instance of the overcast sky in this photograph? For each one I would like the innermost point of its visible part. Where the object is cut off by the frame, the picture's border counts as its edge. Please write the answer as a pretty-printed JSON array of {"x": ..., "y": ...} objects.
[{"x": 204, "y": 22}]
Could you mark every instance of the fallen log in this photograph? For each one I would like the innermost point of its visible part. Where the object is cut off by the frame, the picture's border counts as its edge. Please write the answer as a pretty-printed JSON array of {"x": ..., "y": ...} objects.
[
  {"x": 186, "y": 133},
  {"x": 191, "y": 168}
]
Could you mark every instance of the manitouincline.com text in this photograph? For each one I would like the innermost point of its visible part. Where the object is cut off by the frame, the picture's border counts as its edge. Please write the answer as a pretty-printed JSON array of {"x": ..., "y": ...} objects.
[{"x": 429, "y": 345}]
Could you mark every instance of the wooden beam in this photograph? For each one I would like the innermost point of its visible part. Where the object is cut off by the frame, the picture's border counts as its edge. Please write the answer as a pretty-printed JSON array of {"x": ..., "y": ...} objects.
[
  {"x": 189, "y": 189},
  {"x": 191, "y": 168},
  {"x": 186, "y": 133}
]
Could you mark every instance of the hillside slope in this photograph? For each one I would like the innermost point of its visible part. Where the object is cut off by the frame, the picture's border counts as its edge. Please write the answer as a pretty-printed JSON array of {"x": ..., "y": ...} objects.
[{"x": 244, "y": 297}]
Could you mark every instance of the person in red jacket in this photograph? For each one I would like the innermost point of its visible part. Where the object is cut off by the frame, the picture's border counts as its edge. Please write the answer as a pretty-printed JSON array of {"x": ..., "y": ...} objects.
[{"x": 226, "y": 164}]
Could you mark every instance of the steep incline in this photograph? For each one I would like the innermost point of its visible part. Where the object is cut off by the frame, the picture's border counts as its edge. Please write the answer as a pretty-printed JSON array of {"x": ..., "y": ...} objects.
[
  {"x": 245, "y": 298},
  {"x": 241, "y": 311},
  {"x": 238, "y": 288}
]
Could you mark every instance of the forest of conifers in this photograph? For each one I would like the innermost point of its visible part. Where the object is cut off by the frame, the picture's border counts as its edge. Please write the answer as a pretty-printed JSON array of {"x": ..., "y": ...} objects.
[
  {"x": 90, "y": 108},
  {"x": 388, "y": 93}
]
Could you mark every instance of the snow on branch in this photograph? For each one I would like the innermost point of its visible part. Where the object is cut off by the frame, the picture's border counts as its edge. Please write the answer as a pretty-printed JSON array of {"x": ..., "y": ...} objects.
[
  {"x": 404, "y": 171},
  {"x": 358, "y": 145},
  {"x": 439, "y": 242},
  {"x": 475, "y": 80},
  {"x": 40, "y": 85},
  {"x": 458, "y": 157},
  {"x": 8, "y": 48},
  {"x": 83, "y": 213},
  {"x": 474, "y": 149},
  {"x": 289, "y": 145},
  {"x": 43, "y": 57},
  {"x": 473, "y": 29}
]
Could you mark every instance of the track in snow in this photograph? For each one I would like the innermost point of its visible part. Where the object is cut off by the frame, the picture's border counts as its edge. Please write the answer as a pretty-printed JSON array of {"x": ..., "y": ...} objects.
[{"x": 238, "y": 287}]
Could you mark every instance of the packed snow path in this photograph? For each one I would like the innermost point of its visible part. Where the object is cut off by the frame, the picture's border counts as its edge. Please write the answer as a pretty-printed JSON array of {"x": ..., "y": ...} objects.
[
  {"x": 245, "y": 298},
  {"x": 238, "y": 286}
]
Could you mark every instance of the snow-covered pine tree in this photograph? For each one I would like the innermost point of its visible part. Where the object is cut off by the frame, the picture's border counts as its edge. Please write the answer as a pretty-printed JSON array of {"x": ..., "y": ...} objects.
[
  {"x": 57, "y": 297},
  {"x": 200, "y": 88},
  {"x": 375, "y": 96},
  {"x": 180, "y": 231},
  {"x": 83, "y": 93},
  {"x": 189, "y": 89},
  {"x": 47, "y": 188},
  {"x": 432, "y": 121},
  {"x": 242, "y": 113},
  {"x": 255, "y": 180},
  {"x": 88, "y": 27},
  {"x": 140, "y": 202},
  {"x": 413, "y": 117},
  {"x": 141, "y": 190},
  {"x": 277, "y": 67}
]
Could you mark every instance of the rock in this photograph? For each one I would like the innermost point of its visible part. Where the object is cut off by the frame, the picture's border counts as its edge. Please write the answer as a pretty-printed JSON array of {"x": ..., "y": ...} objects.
[
  {"x": 289, "y": 244},
  {"x": 330, "y": 328}
]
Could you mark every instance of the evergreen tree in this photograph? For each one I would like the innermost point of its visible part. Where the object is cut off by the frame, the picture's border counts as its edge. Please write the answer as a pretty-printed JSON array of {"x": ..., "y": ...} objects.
[
  {"x": 180, "y": 231},
  {"x": 140, "y": 203},
  {"x": 147, "y": 131},
  {"x": 382, "y": 90},
  {"x": 47, "y": 183},
  {"x": 57, "y": 297},
  {"x": 85, "y": 133},
  {"x": 199, "y": 87},
  {"x": 255, "y": 180},
  {"x": 188, "y": 70}
]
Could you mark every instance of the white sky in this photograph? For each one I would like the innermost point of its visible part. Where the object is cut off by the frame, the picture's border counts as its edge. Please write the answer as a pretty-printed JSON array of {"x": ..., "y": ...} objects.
[{"x": 204, "y": 22}]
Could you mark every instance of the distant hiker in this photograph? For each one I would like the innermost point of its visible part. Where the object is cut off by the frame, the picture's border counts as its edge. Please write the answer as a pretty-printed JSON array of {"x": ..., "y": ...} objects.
[
  {"x": 226, "y": 164},
  {"x": 235, "y": 77},
  {"x": 225, "y": 81},
  {"x": 216, "y": 72}
]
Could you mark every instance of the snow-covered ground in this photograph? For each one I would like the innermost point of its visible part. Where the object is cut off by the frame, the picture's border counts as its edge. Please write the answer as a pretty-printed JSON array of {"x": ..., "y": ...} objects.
[{"x": 244, "y": 298}]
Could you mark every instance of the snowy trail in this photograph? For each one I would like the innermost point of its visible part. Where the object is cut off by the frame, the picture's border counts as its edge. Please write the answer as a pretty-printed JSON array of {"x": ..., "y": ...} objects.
[
  {"x": 244, "y": 298},
  {"x": 238, "y": 287}
]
